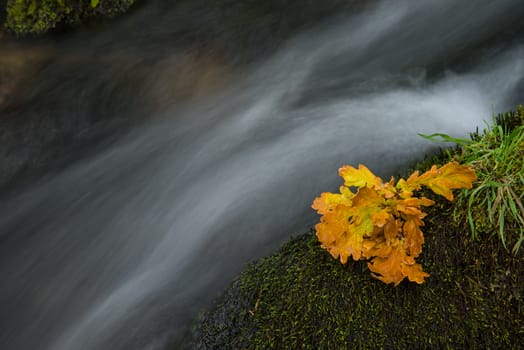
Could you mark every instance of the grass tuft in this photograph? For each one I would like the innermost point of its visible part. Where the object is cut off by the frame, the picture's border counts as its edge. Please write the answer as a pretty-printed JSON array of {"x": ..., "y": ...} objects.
[{"x": 495, "y": 204}]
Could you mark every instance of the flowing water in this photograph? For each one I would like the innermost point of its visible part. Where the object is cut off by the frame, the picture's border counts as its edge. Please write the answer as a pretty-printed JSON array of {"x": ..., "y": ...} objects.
[{"x": 121, "y": 250}]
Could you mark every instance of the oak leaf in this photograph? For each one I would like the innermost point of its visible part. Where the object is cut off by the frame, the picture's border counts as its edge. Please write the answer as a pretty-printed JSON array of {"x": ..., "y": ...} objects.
[
  {"x": 361, "y": 177},
  {"x": 328, "y": 201},
  {"x": 397, "y": 266},
  {"x": 414, "y": 238},
  {"x": 444, "y": 179},
  {"x": 338, "y": 237},
  {"x": 382, "y": 221}
]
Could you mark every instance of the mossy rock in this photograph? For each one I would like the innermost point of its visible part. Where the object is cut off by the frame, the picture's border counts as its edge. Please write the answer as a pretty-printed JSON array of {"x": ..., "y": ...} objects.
[
  {"x": 38, "y": 16},
  {"x": 302, "y": 298}
]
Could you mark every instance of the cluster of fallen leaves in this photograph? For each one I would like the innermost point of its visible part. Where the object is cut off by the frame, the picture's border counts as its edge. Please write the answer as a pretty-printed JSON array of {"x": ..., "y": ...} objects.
[{"x": 381, "y": 221}]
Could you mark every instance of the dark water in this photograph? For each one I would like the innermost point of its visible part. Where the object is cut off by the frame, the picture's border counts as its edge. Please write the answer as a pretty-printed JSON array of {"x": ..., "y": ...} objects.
[{"x": 120, "y": 250}]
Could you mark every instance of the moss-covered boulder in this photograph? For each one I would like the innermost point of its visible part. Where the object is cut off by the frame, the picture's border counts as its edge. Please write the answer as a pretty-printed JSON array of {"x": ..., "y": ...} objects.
[
  {"x": 301, "y": 298},
  {"x": 38, "y": 16}
]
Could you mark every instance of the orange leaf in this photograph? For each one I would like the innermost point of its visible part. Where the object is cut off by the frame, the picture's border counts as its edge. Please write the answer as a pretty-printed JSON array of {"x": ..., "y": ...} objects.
[
  {"x": 397, "y": 266},
  {"x": 373, "y": 248},
  {"x": 380, "y": 218},
  {"x": 333, "y": 224},
  {"x": 444, "y": 179},
  {"x": 382, "y": 221},
  {"x": 387, "y": 269},
  {"x": 337, "y": 236},
  {"x": 414, "y": 273},
  {"x": 408, "y": 206},
  {"x": 328, "y": 201},
  {"x": 414, "y": 238},
  {"x": 426, "y": 202},
  {"x": 392, "y": 229}
]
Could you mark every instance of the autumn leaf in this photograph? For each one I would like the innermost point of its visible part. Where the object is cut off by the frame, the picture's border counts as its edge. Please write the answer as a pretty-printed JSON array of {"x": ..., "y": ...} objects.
[
  {"x": 388, "y": 268},
  {"x": 392, "y": 229},
  {"x": 414, "y": 272},
  {"x": 381, "y": 217},
  {"x": 376, "y": 248},
  {"x": 361, "y": 177},
  {"x": 368, "y": 211},
  {"x": 425, "y": 202},
  {"x": 337, "y": 236},
  {"x": 328, "y": 201},
  {"x": 413, "y": 236},
  {"x": 387, "y": 189},
  {"x": 409, "y": 206},
  {"x": 382, "y": 221},
  {"x": 333, "y": 225},
  {"x": 444, "y": 179},
  {"x": 397, "y": 266}
]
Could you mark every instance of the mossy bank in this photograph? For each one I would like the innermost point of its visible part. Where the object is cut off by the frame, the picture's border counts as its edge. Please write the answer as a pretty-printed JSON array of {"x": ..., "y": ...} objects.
[
  {"x": 302, "y": 298},
  {"x": 36, "y": 17}
]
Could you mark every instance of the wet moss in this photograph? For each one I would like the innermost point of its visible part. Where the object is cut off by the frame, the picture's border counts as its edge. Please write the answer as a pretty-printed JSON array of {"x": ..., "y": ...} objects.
[
  {"x": 302, "y": 298},
  {"x": 38, "y": 16}
]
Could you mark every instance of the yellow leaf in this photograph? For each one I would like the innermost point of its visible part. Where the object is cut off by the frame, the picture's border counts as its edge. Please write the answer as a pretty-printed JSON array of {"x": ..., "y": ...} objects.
[
  {"x": 382, "y": 221},
  {"x": 366, "y": 204},
  {"x": 380, "y": 217},
  {"x": 406, "y": 188},
  {"x": 337, "y": 236},
  {"x": 328, "y": 201},
  {"x": 444, "y": 179},
  {"x": 333, "y": 225},
  {"x": 361, "y": 177}
]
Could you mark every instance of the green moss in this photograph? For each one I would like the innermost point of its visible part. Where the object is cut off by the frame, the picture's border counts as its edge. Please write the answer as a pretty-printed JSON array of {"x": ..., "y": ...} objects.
[
  {"x": 301, "y": 298},
  {"x": 38, "y": 16}
]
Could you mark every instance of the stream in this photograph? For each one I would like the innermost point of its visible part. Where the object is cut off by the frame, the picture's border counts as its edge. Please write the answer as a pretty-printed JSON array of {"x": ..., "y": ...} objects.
[{"x": 121, "y": 248}]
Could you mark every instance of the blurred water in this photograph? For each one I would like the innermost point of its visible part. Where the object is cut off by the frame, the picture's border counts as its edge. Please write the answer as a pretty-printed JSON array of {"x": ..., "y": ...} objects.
[{"x": 121, "y": 251}]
